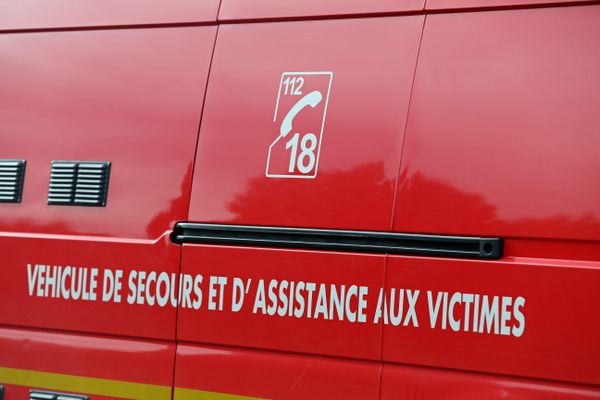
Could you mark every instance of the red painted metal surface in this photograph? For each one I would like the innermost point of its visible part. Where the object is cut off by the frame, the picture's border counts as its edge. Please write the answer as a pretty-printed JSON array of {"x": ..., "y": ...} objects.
[
  {"x": 401, "y": 382},
  {"x": 362, "y": 136},
  {"x": 502, "y": 132},
  {"x": 552, "y": 249},
  {"x": 261, "y": 9},
  {"x": 149, "y": 362},
  {"x": 36, "y": 14},
  {"x": 501, "y": 140},
  {"x": 274, "y": 375},
  {"x": 39, "y": 307},
  {"x": 132, "y": 97},
  {"x": 458, "y": 4},
  {"x": 554, "y": 337},
  {"x": 252, "y": 327},
  {"x": 86, "y": 355}
]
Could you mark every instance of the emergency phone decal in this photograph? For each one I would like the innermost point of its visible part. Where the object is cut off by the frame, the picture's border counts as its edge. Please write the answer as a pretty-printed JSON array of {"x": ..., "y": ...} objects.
[{"x": 299, "y": 119}]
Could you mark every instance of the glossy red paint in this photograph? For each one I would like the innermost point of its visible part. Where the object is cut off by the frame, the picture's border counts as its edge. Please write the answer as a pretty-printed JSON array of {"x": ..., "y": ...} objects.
[
  {"x": 408, "y": 383},
  {"x": 362, "y": 137},
  {"x": 147, "y": 362},
  {"x": 539, "y": 127},
  {"x": 501, "y": 140},
  {"x": 262, "y": 9},
  {"x": 552, "y": 249},
  {"x": 559, "y": 336},
  {"x": 36, "y": 14},
  {"x": 274, "y": 375},
  {"x": 248, "y": 328},
  {"x": 458, "y": 4},
  {"x": 129, "y": 96},
  {"x": 503, "y": 126},
  {"x": 133, "y": 97},
  {"x": 95, "y": 316}
]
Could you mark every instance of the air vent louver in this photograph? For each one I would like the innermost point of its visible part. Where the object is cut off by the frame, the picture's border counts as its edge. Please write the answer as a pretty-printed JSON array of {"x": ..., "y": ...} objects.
[
  {"x": 12, "y": 173},
  {"x": 43, "y": 395},
  {"x": 83, "y": 183}
]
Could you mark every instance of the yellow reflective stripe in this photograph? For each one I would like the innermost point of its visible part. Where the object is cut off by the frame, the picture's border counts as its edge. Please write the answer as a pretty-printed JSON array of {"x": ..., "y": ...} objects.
[
  {"x": 192, "y": 394},
  {"x": 84, "y": 385}
]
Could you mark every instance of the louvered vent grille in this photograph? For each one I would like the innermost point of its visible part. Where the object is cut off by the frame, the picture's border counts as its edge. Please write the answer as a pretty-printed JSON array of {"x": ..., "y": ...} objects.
[
  {"x": 83, "y": 183},
  {"x": 62, "y": 182},
  {"x": 12, "y": 173},
  {"x": 44, "y": 395}
]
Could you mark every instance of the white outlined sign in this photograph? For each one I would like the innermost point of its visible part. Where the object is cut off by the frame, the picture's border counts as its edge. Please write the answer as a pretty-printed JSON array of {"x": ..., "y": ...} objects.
[{"x": 299, "y": 122}]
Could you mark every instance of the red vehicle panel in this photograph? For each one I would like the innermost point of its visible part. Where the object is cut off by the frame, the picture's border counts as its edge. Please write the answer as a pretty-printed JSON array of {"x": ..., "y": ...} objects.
[
  {"x": 132, "y": 97},
  {"x": 518, "y": 317},
  {"x": 261, "y": 9},
  {"x": 310, "y": 220},
  {"x": 61, "y": 282},
  {"x": 500, "y": 142},
  {"x": 104, "y": 367},
  {"x": 93, "y": 120},
  {"x": 402, "y": 382},
  {"x": 255, "y": 374},
  {"x": 503, "y": 127},
  {"x": 282, "y": 307},
  {"x": 36, "y": 14},
  {"x": 233, "y": 181},
  {"x": 453, "y": 4}
]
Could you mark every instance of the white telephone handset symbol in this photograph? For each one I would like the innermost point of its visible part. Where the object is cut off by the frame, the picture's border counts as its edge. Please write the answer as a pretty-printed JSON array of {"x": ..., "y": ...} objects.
[{"x": 312, "y": 99}]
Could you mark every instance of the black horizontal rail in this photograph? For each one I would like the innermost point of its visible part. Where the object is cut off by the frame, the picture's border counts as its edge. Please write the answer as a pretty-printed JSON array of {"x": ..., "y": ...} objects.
[{"x": 339, "y": 240}]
